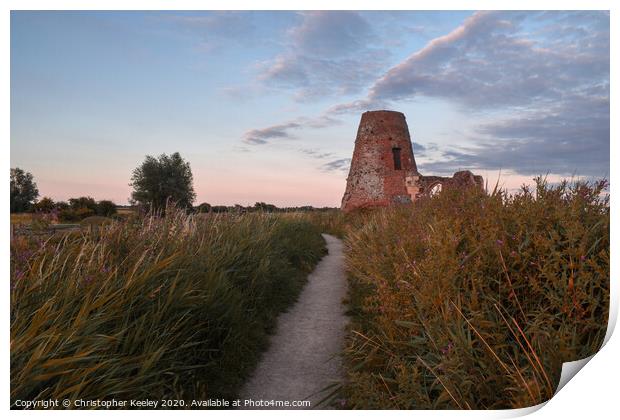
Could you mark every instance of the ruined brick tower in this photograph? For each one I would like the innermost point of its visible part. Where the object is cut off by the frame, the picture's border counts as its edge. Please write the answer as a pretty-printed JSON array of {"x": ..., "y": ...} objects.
[{"x": 383, "y": 169}]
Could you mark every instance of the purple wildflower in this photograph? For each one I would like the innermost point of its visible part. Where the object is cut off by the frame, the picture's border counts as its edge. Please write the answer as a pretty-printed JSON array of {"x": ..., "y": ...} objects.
[
  {"x": 499, "y": 242},
  {"x": 447, "y": 348},
  {"x": 25, "y": 255}
]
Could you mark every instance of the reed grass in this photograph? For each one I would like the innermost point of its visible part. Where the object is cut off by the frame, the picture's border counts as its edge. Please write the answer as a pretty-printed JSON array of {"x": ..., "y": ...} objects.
[
  {"x": 172, "y": 306},
  {"x": 333, "y": 222},
  {"x": 473, "y": 300}
]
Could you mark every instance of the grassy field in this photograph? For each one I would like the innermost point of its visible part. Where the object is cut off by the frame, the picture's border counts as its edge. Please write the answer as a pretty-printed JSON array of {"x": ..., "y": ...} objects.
[
  {"x": 22, "y": 218},
  {"x": 470, "y": 300},
  {"x": 465, "y": 300},
  {"x": 170, "y": 307}
]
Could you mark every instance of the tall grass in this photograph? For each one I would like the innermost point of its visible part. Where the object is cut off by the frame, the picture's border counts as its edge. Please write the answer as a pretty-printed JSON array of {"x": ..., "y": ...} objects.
[
  {"x": 333, "y": 222},
  {"x": 156, "y": 307},
  {"x": 473, "y": 301}
]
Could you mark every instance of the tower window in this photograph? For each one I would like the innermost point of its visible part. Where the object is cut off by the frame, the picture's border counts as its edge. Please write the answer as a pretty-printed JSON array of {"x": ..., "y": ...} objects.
[{"x": 396, "y": 154}]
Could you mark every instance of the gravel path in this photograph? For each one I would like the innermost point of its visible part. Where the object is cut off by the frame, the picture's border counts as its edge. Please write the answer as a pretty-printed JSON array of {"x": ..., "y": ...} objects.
[{"x": 303, "y": 357}]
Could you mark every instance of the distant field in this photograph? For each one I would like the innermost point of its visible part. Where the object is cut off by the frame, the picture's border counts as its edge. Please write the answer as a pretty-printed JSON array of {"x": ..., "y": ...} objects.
[
  {"x": 123, "y": 211},
  {"x": 21, "y": 218},
  {"x": 29, "y": 218}
]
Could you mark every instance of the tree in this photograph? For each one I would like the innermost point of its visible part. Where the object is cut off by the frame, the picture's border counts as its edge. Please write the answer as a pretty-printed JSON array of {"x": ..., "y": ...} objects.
[
  {"x": 268, "y": 208},
  {"x": 23, "y": 190},
  {"x": 204, "y": 208},
  {"x": 78, "y": 208},
  {"x": 163, "y": 179},
  {"x": 62, "y": 205},
  {"x": 45, "y": 205},
  {"x": 83, "y": 203},
  {"x": 106, "y": 208}
]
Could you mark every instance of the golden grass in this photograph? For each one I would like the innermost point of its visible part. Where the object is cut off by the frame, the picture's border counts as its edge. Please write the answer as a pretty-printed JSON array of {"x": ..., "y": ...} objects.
[
  {"x": 154, "y": 307},
  {"x": 469, "y": 300},
  {"x": 22, "y": 218}
]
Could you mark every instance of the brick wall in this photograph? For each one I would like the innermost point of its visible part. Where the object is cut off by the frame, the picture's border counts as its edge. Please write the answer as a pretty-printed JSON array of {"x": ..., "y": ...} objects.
[{"x": 373, "y": 178}]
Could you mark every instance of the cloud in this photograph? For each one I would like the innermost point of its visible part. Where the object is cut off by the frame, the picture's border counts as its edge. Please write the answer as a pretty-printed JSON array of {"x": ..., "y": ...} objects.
[
  {"x": 260, "y": 136},
  {"x": 322, "y": 121},
  {"x": 312, "y": 78},
  {"x": 536, "y": 84},
  {"x": 331, "y": 33},
  {"x": 263, "y": 135},
  {"x": 330, "y": 53},
  {"x": 490, "y": 61},
  {"x": 339, "y": 165},
  {"x": 564, "y": 140},
  {"x": 357, "y": 106},
  {"x": 316, "y": 154},
  {"x": 419, "y": 149}
]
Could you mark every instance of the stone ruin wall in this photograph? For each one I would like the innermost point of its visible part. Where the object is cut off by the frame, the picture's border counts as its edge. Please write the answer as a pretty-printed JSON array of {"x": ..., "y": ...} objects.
[
  {"x": 423, "y": 185},
  {"x": 374, "y": 180}
]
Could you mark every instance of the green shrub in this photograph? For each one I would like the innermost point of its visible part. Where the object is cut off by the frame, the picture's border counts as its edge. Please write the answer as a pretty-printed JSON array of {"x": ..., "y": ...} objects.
[
  {"x": 468, "y": 300},
  {"x": 75, "y": 215},
  {"x": 44, "y": 205},
  {"x": 68, "y": 215},
  {"x": 106, "y": 208},
  {"x": 155, "y": 307},
  {"x": 83, "y": 203},
  {"x": 204, "y": 208},
  {"x": 62, "y": 205}
]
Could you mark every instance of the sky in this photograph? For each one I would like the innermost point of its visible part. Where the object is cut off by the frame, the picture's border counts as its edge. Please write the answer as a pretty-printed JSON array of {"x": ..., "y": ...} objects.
[{"x": 265, "y": 105}]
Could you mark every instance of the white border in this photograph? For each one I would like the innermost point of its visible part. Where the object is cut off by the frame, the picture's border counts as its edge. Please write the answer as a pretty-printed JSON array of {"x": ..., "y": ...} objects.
[{"x": 592, "y": 394}]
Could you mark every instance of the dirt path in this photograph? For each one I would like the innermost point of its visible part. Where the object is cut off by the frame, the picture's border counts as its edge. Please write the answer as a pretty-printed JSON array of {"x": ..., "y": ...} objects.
[{"x": 303, "y": 356}]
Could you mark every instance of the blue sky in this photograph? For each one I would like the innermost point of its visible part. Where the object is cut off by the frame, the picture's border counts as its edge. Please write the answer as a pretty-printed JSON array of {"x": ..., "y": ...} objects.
[{"x": 265, "y": 105}]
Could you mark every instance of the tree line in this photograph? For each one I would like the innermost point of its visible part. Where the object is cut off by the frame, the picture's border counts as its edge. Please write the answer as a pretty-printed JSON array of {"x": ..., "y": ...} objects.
[
  {"x": 257, "y": 207},
  {"x": 157, "y": 182}
]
